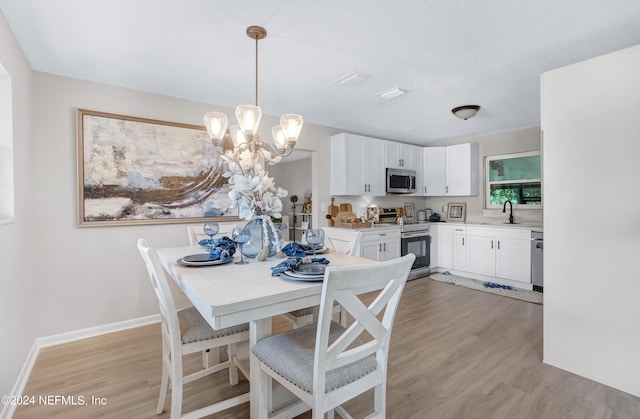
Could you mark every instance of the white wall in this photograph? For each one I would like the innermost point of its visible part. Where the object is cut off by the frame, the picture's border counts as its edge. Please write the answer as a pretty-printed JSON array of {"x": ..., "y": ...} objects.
[
  {"x": 19, "y": 311},
  {"x": 592, "y": 219}
]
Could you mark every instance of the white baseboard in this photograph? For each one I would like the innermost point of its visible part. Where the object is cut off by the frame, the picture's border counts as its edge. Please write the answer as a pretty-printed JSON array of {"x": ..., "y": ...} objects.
[
  {"x": 90, "y": 332},
  {"x": 46, "y": 341}
]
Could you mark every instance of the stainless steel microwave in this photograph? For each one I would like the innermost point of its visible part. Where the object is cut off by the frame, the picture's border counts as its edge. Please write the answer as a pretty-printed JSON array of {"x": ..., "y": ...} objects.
[{"x": 400, "y": 181}]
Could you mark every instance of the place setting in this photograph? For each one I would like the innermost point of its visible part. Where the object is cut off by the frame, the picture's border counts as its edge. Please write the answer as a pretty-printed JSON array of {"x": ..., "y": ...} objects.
[
  {"x": 220, "y": 251},
  {"x": 302, "y": 263}
]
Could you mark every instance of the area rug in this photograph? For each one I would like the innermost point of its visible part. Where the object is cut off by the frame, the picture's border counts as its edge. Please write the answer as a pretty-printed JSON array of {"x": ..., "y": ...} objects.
[{"x": 504, "y": 290}]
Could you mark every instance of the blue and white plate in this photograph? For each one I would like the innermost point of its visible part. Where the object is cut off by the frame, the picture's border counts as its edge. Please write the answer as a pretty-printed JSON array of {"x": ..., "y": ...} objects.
[{"x": 202, "y": 259}]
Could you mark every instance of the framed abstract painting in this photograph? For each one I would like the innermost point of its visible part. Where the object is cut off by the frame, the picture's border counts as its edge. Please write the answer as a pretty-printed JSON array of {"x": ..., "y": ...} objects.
[{"x": 143, "y": 171}]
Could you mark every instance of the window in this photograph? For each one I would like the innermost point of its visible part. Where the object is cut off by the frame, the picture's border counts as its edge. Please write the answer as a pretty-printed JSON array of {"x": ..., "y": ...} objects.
[
  {"x": 515, "y": 177},
  {"x": 6, "y": 149}
]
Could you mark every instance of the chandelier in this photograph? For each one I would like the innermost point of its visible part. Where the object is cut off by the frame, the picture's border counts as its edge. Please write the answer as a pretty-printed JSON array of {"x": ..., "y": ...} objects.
[{"x": 245, "y": 136}]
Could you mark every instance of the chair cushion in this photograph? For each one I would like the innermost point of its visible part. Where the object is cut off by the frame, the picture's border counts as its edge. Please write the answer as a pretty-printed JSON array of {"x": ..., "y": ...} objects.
[
  {"x": 302, "y": 312},
  {"x": 291, "y": 355},
  {"x": 194, "y": 328}
]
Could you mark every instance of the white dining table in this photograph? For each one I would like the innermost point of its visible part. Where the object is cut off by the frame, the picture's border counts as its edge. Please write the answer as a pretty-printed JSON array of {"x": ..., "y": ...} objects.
[{"x": 230, "y": 294}]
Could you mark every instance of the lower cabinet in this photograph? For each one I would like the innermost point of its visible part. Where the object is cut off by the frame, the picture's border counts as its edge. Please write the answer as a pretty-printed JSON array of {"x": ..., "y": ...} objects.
[
  {"x": 513, "y": 259},
  {"x": 460, "y": 252},
  {"x": 502, "y": 253},
  {"x": 491, "y": 252},
  {"x": 380, "y": 245},
  {"x": 444, "y": 244}
]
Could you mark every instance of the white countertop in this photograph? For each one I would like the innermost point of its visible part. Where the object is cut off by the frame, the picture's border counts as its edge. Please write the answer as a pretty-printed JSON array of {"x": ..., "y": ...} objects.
[{"x": 529, "y": 226}]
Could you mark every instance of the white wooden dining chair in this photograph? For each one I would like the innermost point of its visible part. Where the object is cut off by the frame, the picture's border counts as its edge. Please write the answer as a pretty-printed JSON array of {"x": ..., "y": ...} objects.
[
  {"x": 326, "y": 364},
  {"x": 343, "y": 241},
  {"x": 185, "y": 332},
  {"x": 196, "y": 232}
]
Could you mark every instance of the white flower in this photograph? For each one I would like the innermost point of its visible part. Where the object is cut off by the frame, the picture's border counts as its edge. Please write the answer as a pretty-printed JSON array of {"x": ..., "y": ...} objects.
[{"x": 252, "y": 190}]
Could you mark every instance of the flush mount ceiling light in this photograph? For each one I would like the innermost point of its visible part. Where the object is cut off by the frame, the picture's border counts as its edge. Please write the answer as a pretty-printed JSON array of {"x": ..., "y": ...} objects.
[
  {"x": 391, "y": 93},
  {"x": 465, "y": 112},
  {"x": 353, "y": 78},
  {"x": 246, "y": 135}
]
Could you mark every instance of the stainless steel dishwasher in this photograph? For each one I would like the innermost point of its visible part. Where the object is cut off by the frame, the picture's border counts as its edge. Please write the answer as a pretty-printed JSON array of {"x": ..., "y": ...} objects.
[{"x": 537, "y": 247}]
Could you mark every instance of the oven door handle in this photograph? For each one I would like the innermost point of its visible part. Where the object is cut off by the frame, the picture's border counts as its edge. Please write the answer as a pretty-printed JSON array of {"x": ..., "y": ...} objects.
[{"x": 413, "y": 235}]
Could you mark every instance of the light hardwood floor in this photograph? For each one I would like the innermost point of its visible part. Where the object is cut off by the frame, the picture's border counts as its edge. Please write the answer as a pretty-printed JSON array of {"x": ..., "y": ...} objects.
[{"x": 455, "y": 353}]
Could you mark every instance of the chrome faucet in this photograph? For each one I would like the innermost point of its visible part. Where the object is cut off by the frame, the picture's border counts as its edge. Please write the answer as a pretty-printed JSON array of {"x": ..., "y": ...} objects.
[{"x": 504, "y": 209}]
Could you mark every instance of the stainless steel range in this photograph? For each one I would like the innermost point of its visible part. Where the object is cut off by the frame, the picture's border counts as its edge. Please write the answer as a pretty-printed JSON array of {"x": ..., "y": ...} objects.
[{"x": 415, "y": 238}]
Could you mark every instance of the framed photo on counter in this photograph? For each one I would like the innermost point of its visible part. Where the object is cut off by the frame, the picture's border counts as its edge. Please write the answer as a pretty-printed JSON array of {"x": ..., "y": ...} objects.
[
  {"x": 409, "y": 211},
  {"x": 457, "y": 211}
]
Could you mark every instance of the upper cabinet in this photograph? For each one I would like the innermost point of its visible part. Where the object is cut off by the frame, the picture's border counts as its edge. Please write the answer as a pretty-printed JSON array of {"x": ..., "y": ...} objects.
[
  {"x": 451, "y": 171},
  {"x": 462, "y": 169},
  {"x": 357, "y": 165},
  {"x": 434, "y": 171},
  {"x": 402, "y": 156}
]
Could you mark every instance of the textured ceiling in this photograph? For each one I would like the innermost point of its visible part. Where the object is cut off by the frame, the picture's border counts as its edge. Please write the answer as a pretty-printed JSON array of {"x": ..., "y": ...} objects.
[{"x": 443, "y": 53}]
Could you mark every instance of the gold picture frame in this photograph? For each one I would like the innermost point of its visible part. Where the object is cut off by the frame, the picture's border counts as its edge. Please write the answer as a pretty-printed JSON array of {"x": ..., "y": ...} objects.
[
  {"x": 134, "y": 171},
  {"x": 457, "y": 211}
]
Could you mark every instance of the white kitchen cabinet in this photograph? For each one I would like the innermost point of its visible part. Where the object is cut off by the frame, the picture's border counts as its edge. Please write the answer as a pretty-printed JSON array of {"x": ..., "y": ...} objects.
[
  {"x": 451, "y": 171},
  {"x": 459, "y": 248},
  {"x": 499, "y": 252},
  {"x": 462, "y": 169},
  {"x": 481, "y": 254},
  {"x": 434, "y": 173},
  {"x": 402, "y": 156},
  {"x": 444, "y": 246},
  {"x": 380, "y": 245},
  {"x": 513, "y": 258},
  {"x": 357, "y": 165}
]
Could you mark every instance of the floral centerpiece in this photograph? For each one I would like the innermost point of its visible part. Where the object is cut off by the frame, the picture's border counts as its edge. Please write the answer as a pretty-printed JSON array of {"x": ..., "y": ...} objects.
[{"x": 253, "y": 192}]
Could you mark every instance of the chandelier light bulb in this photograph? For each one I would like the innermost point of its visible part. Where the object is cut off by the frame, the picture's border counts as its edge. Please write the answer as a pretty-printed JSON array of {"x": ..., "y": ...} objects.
[
  {"x": 249, "y": 118},
  {"x": 291, "y": 125},
  {"x": 237, "y": 136},
  {"x": 279, "y": 138},
  {"x": 216, "y": 123}
]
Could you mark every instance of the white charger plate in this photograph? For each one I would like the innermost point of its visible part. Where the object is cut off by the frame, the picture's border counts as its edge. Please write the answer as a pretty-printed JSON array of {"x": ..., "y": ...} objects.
[
  {"x": 301, "y": 277},
  {"x": 318, "y": 252}
]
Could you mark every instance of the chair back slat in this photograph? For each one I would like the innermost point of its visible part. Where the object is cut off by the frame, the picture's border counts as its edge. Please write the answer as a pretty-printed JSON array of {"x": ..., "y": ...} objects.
[
  {"x": 168, "y": 312},
  {"x": 196, "y": 232},
  {"x": 344, "y": 284},
  {"x": 343, "y": 241}
]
